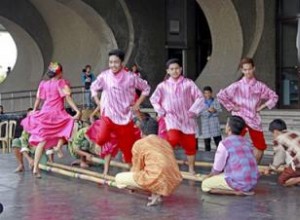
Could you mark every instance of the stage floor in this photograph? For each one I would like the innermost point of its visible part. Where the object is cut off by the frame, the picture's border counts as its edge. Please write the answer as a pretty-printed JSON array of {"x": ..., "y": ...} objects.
[{"x": 57, "y": 197}]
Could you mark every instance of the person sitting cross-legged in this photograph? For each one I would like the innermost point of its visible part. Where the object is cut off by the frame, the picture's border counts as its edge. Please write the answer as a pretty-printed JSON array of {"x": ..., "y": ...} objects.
[{"x": 235, "y": 170}]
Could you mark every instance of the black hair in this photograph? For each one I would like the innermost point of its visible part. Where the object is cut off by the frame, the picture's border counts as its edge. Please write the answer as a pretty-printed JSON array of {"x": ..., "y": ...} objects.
[
  {"x": 246, "y": 60},
  {"x": 29, "y": 109},
  {"x": 149, "y": 126},
  {"x": 207, "y": 88},
  {"x": 277, "y": 124},
  {"x": 117, "y": 52},
  {"x": 236, "y": 124},
  {"x": 172, "y": 61},
  {"x": 70, "y": 111},
  {"x": 145, "y": 115}
]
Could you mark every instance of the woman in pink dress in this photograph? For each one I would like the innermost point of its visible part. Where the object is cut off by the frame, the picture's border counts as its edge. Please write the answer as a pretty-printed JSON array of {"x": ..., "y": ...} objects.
[{"x": 51, "y": 125}]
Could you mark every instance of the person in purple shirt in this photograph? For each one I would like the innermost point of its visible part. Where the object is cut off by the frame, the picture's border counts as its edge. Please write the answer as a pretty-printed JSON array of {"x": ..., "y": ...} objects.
[{"x": 235, "y": 169}]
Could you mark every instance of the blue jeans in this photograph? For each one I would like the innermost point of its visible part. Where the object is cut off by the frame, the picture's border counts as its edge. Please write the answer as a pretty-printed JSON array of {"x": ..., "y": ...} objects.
[{"x": 88, "y": 102}]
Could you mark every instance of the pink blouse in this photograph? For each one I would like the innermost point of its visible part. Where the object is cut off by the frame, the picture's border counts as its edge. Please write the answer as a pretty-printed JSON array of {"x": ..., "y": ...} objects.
[
  {"x": 118, "y": 93},
  {"x": 179, "y": 102},
  {"x": 247, "y": 95}
]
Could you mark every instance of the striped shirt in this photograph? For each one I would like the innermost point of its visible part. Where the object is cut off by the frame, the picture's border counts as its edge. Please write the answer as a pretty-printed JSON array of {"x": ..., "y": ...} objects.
[
  {"x": 118, "y": 92},
  {"x": 179, "y": 102},
  {"x": 247, "y": 95}
]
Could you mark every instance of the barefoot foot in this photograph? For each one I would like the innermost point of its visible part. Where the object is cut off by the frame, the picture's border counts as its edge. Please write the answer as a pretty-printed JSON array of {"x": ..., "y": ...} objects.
[
  {"x": 59, "y": 152},
  {"x": 19, "y": 169},
  {"x": 75, "y": 163},
  {"x": 84, "y": 165},
  {"x": 37, "y": 175},
  {"x": 155, "y": 200},
  {"x": 31, "y": 163}
]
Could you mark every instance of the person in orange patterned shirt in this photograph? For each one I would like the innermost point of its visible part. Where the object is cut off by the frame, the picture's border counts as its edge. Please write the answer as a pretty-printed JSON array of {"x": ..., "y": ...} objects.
[{"x": 154, "y": 166}]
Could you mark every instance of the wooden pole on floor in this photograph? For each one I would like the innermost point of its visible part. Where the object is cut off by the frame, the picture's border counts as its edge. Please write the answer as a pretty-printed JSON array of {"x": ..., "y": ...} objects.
[
  {"x": 210, "y": 164},
  {"x": 80, "y": 170},
  {"x": 196, "y": 177},
  {"x": 112, "y": 163},
  {"x": 86, "y": 175},
  {"x": 185, "y": 175},
  {"x": 77, "y": 175}
]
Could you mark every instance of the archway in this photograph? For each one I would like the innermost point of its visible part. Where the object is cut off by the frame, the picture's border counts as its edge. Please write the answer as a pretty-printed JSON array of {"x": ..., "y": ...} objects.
[{"x": 8, "y": 53}]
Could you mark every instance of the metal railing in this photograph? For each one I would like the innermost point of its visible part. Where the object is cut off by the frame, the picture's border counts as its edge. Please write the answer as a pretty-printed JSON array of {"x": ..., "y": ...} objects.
[{"x": 19, "y": 101}]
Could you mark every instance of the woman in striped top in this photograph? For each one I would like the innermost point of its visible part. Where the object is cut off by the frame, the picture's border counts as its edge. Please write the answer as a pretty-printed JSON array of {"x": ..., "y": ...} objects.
[
  {"x": 245, "y": 98},
  {"x": 178, "y": 101}
]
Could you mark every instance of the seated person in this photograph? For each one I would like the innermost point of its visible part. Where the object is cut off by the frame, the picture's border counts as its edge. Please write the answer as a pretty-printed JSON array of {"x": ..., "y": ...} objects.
[
  {"x": 81, "y": 147},
  {"x": 154, "y": 167},
  {"x": 22, "y": 148},
  {"x": 286, "y": 151},
  {"x": 235, "y": 170}
]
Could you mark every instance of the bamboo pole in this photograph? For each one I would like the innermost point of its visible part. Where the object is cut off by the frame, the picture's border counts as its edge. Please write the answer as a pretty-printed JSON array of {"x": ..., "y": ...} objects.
[
  {"x": 77, "y": 175},
  {"x": 80, "y": 170},
  {"x": 185, "y": 175},
  {"x": 112, "y": 163},
  {"x": 196, "y": 177},
  {"x": 80, "y": 173},
  {"x": 210, "y": 164}
]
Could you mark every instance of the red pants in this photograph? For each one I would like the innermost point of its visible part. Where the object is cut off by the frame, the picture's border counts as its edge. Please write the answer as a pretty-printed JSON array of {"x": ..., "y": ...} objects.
[
  {"x": 287, "y": 174},
  {"x": 257, "y": 138},
  {"x": 125, "y": 135},
  {"x": 187, "y": 141}
]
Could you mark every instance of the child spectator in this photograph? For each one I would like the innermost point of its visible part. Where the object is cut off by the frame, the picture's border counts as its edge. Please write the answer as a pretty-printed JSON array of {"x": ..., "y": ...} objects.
[{"x": 210, "y": 125}]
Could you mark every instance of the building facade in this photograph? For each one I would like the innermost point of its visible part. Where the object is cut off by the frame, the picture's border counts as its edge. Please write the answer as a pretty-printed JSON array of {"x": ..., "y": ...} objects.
[{"x": 209, "y": 36}]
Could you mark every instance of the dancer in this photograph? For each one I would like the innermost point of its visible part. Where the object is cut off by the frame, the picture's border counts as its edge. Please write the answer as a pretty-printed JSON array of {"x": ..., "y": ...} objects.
[
  {"x": 178, "y": 101},
  {"x": 235, "y": 169},
  {"x": 51, "y": 125},
  {"x": 117, "y": 104},
  {"x": 286, "y": 151},
  {"x": 154, "y": 166},
  {"x": 244, "y": 98}
]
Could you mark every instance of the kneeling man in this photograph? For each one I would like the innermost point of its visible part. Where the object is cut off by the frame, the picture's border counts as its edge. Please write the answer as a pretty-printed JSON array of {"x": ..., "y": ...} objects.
[{"x": 154, "y": 167}]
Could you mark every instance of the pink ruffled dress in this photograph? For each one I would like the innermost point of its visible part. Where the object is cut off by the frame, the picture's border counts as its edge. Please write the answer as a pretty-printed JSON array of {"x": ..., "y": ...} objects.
[{"x": 52, "y": 122}]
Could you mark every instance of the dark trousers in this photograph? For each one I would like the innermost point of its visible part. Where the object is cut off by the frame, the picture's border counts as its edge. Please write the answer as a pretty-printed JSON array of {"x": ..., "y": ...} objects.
[{"x": 217, "y": 140}]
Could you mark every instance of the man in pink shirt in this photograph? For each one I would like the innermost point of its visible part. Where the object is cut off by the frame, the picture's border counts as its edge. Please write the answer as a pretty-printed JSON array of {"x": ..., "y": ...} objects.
[
  {"x": 117, "y": 104},
  {"x": 178, "y": 101},
  {"x": 245, "y": 98}
]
